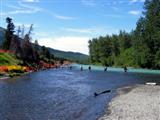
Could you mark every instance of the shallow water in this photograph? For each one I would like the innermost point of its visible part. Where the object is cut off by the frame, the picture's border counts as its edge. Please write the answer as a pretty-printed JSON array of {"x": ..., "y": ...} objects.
[
  {"x": 117, "y": 69},
  {"x": 63, "y": 94}
]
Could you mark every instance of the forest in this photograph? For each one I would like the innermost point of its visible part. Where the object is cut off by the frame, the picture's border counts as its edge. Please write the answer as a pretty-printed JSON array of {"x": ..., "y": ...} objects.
[{"x": 138, "y": 48}]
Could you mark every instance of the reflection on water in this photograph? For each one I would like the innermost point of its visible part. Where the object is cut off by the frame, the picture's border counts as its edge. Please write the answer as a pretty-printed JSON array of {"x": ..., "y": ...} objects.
[{"x": 62, "y": 94}]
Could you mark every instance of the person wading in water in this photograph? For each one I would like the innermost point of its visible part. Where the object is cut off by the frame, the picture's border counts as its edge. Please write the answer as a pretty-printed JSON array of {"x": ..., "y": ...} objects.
[
  {"x": 105, "y": 69},
  {"x": 89, "y": 68},
  {"x": 125, "y": 69},
  {"x": 70, "y": 67},
  {"x": 81, "y": 68}
]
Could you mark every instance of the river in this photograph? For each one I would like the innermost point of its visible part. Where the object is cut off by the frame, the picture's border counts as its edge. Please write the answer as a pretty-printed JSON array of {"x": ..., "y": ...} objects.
[{"x": 63, "y": 94}]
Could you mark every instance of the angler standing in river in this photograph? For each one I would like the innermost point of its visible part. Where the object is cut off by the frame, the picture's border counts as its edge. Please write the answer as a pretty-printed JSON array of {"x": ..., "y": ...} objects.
[
  {"x": 105, "y": 69},
  {"x": 125, "y": 69},
  {"x": 81, "y": 68},
  {"x": 89, "y": 68}
]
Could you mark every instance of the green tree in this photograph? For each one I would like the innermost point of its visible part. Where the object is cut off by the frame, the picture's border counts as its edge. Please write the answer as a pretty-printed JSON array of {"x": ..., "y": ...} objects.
[{"x": 8, "y": 34}]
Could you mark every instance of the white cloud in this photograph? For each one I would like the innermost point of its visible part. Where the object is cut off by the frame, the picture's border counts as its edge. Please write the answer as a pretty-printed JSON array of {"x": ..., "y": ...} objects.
[
  {"x": 63, "y": 17},
  {"x": 43, "y": 34},
  {"x": 21, "y": 12},
  {"x": 67, "y": 43},
  {"x": 23, "y": 9},
  {"x": 80, "y": 30},
  {"x": 92, "y": 31},
  {"x": 134, "y": 12},
  {"x": 88, "y": 2},
  {"x": 114, "y": 15},
  {"x": 58, "y": 16},
  {"x": 30, "y": 1},
  {"x": 13, "y": 6},
  {"x": 135, "y": 1}
]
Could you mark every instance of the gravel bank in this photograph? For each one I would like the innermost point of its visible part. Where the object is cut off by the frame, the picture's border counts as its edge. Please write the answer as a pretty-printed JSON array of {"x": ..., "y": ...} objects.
[{"x": 139, "y": 103}]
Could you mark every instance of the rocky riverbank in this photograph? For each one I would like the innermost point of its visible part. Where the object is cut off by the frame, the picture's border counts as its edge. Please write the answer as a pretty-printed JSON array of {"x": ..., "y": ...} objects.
[{"x": 141, "y": 102}]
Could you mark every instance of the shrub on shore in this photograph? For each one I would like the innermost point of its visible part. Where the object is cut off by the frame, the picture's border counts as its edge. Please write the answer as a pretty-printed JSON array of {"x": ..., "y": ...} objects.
[{"x": 14, "y": 68}]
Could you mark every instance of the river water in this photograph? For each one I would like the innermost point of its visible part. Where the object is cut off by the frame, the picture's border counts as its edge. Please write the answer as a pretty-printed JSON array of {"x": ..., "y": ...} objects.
[{"x": 63, "y": 94}]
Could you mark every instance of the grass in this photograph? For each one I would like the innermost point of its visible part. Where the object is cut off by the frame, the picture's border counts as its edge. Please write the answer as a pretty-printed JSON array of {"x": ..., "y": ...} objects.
[{"x": 8, "y": 59}]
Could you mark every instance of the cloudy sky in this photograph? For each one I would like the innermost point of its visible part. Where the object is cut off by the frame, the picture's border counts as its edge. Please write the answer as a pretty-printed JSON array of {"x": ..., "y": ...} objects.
[{"x": 69, "y": 24}]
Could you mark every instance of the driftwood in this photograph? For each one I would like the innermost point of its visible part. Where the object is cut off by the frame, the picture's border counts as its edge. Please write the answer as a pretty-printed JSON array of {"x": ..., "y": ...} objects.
[{"x": 96, "y": 94}]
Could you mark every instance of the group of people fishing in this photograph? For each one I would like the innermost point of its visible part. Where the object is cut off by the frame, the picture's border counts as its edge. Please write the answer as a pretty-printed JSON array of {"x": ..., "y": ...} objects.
[{"x": 105, "y": 68}]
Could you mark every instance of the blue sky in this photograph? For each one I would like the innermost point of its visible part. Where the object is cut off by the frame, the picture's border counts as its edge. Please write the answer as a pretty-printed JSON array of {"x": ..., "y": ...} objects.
[{"x": 69, "y": 24}]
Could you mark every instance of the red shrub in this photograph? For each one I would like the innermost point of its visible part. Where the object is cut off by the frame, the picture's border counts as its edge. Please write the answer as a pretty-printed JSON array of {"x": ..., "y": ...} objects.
[
  {"x": 3, "y": 68},
  {"x": 7, "y": 51}
]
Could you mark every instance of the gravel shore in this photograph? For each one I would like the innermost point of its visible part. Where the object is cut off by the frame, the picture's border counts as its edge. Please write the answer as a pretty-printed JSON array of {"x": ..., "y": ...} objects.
[{"x": 141, "y": 102}]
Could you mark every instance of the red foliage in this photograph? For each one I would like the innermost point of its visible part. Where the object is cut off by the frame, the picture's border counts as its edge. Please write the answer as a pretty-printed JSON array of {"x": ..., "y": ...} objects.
[
  {"x": 3, "y": 68},
  {"x": 46, "y": 65},
  {"x": 27, "y": 69},
  {"x": 7, "y": 51}
]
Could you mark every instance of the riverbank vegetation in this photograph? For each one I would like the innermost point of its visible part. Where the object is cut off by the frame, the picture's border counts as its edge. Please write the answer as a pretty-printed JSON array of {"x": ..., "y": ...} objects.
[
  {"x": 139, "y": 48},
  {"x": 10, "y": 65}
]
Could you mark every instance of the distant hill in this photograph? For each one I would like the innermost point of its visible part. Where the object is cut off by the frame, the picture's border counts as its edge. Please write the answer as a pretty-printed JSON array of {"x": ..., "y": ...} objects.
[{"x": 74, "y": 56}]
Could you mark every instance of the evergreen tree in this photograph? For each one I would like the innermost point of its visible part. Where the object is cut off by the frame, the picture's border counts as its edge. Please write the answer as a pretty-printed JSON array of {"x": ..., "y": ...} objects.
[{"x": 8, "y": 34}]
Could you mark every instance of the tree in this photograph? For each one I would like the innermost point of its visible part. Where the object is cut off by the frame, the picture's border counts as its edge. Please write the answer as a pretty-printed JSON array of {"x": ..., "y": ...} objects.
[
  {"x": 8, "y": 34},
  {"x": 28, "y": 51},
  {"x": 36, "y": 45},
  {"x": 46, "y": 54},
  {"x": 36, "y": 51},
  {"x": 157, "y": 59}
]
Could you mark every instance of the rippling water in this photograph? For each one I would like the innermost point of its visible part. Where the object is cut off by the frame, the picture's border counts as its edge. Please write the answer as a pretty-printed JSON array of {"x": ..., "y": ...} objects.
[{"x": 62, "y": 94}]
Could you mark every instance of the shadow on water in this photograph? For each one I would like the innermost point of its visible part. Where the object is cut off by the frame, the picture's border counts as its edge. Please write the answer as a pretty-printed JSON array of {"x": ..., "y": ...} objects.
[{"x": 63, "y": 94}]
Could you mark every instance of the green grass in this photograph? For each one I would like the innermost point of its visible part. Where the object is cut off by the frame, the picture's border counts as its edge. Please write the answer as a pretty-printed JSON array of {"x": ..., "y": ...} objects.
[{"x": 8, "y": 59}]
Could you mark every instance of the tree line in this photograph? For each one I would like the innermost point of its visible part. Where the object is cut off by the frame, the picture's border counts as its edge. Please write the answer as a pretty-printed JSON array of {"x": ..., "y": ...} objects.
[{"x": 138, "y": 48}]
